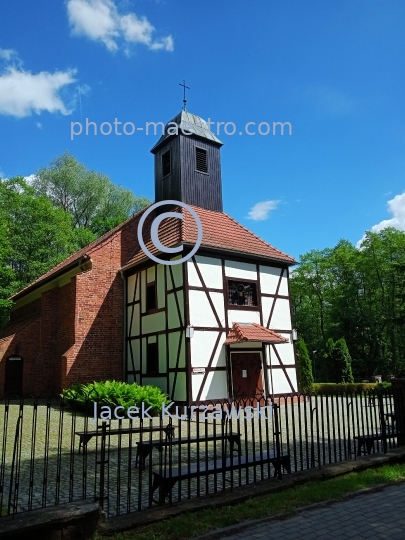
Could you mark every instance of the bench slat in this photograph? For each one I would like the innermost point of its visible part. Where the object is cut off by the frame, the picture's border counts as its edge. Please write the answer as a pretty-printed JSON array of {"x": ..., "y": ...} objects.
[{"x": 165, "y": 479}]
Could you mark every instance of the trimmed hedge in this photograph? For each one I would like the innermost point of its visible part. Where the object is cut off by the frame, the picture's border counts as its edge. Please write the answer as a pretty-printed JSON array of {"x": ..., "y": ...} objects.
[
  {"x": 114, "y": 393},
  {"x": 352, "y": 388}
]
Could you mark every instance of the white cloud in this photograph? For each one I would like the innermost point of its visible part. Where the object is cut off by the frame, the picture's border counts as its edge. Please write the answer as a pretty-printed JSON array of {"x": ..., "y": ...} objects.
[
  {"x": 396, "y": 207},
  {"x": 100, "y": 20},
  {"x": 261, "y": 210},
  {"x": 30, "y": 179},
  {"x": 8, "y": 54},
  {"x": 39, "y": 125},
  {"x": 23, "y": 93}
]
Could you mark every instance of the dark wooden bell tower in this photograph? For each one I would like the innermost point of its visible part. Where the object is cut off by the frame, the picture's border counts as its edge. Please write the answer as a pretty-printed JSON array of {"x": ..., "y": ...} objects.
[{"x": 188, "y": 166}]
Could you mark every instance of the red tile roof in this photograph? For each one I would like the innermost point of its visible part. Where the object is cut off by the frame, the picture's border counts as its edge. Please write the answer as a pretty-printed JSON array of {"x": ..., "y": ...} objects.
[
  {"x": 253, "y": 332},
  {"x": 220, "y": 231}
]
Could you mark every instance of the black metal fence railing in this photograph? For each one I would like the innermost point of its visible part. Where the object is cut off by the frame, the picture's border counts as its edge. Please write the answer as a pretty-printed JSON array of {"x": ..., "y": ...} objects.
[{"x": 51, "y": 454}]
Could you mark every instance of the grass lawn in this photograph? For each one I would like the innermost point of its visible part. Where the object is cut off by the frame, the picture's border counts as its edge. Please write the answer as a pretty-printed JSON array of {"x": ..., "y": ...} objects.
[{"x": 190, "y": 525}]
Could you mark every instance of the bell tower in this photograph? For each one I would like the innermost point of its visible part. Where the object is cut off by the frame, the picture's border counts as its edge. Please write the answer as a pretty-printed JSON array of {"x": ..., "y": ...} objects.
[{"x": 187, "y": 163}]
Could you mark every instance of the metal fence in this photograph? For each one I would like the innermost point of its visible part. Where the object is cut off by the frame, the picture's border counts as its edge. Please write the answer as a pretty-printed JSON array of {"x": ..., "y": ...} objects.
[{"x": 52, "y": 454}]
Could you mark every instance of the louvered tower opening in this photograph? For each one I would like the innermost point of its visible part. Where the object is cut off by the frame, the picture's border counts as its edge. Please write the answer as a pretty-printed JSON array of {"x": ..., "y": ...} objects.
[
  {"x": 201, "y": 163},
  {"x": 166, "y": 163}
]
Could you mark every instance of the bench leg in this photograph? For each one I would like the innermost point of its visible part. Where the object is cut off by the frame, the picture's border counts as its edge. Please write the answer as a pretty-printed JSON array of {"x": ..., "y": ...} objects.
[
  {"x": 232, "y": 439},
  {"x": 83, "y": 440},
  {"x": 142, "y": 452},
  {"x": 369, "y": 445},
  {"x": 165, "y": 486}
]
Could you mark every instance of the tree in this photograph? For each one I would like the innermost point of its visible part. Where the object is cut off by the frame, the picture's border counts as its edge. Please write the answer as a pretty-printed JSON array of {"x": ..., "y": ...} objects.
[
  {"x": 34, "y": 237},
  {"x": 305, "y": 377},
  {"x": 91, "y": 199},
  {"x": 339, "y": 361}
]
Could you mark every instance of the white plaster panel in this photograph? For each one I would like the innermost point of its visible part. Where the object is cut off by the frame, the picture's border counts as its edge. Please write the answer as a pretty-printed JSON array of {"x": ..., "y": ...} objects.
[
  {"x": 269, "y": 277},
  {"x": 180, "y": 392},
  {"x": 218, "y": 301},
  {"x": 130, "y": 288},
  {"x": 133, "y": 329},
  {"x": 162, "y": 353},
  {"x": 281, "y": 318},
  {"x": 273, "y": 358},
  {"x": 173, "y": 313},
  {"x": 215, "y": 386},
  {"x": 211, "y": 271},
  {"x": 202, "y": 344},
  {"x": 286, "y": 352},
  {"x": 150, "y": 274},
  {"x": 293, "y": 378},
  {"x": 174, "y": 338},
  {"x": 193, "y": 279},
  {"x": 196, "y": 382},
  {"x": 201, "y": 313},
  {"x": 177, "y": 270},
  {"x": 160, "y": 382},
  {"x": 161, "y": 286},
  {"x": 143, "y": 291},
  {"x": 238, "y": 315},
  {"x": 247, "y": 345},
  {"x": 134, "y": 344},
  {"x": 283, "y": 290},
  {"x": 280, "y": 383},
  {"x": 267, "y": 303},
  {"x": 240, "y": 270},
  {"x": 155, "y": 322}
]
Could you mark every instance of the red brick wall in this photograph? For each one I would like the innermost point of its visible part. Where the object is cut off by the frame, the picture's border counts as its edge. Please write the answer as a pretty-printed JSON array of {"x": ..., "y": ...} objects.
[{"x": 79, "y": 336}]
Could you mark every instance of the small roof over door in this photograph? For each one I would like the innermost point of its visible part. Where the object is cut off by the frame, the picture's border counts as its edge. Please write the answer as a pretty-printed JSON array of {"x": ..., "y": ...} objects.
[{"x": 242, "y": 332}]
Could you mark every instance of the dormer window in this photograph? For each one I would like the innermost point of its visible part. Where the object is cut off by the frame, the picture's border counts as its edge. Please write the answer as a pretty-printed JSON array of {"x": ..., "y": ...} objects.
[
  {"x": 166, "y": 163},
  {"x": 201, "y": 162}
]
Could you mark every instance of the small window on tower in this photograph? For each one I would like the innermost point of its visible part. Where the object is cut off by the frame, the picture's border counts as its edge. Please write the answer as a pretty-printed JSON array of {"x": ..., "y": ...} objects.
[
  {"x": 166, "y": 163},
  {"x": 201, "y": 163},
  {"x": 151, "y": 297},
  {"x": 242, "y": 294},
  {"x": 152, "y": 358}
]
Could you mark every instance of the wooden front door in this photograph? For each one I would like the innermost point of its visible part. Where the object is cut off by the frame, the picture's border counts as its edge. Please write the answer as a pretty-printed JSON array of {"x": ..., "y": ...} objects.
[
  {"x": 247, "y": 376},
  {"x": 14, "y": 376}
]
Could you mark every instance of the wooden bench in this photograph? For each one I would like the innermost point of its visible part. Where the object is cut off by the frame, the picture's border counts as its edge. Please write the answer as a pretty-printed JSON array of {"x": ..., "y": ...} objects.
[
  {"x": 369, "y": 439},
  {"x": 86, "y": 436},
  {"x": 144, "y": 448},
  {"x": 165, "y": 479}
]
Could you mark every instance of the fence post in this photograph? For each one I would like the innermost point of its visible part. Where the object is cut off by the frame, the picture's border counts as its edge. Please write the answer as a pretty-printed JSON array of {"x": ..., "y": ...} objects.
[
  {"x": 102, "y": 464},
  {"x": 398, "y": 390},
  {"x": 13, "y": 463},
  {"x": 277, "y": 433},
  {"x": 382, "y": 421}
]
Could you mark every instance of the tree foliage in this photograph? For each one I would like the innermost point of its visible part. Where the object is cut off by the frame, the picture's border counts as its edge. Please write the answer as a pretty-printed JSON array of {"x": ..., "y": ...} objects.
[
  {"x": 338, "y": 361},
  {"x": 305, "y": 377},
  {"x": 66, "y": 207},
  {"x": 92, "y": 200},
  {"x": 358, "y": 294}
]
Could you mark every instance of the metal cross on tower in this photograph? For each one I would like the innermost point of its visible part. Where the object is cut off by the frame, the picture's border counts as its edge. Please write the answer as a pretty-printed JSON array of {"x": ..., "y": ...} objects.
[{"x": 184, "y": 95}]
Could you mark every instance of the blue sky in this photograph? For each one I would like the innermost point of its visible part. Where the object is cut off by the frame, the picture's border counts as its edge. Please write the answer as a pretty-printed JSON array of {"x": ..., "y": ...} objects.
[{"x": 334, "y": 70}]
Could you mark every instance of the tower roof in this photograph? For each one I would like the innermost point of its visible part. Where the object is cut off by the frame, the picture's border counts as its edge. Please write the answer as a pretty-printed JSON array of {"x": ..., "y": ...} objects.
[{"x": 189, "y": 123}]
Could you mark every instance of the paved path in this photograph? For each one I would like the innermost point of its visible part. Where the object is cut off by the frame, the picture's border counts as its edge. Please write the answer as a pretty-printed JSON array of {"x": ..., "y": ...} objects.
[{"x": 370, "y": 516}]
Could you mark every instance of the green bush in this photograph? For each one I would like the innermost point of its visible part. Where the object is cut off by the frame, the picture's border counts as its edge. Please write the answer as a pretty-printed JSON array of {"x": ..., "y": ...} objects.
[
  {"x": 333, "y": 388},
  {"x": 114, "y": 393},
  {"x": 305, "y": 377}
]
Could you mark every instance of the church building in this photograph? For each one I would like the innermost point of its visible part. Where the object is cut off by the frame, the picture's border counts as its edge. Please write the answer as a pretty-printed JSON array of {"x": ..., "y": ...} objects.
[{"x": 213, "y": 328}]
